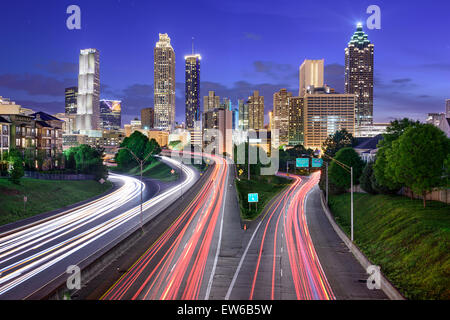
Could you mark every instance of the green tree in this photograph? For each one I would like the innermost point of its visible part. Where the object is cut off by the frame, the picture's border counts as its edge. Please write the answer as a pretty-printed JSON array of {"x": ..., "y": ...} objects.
[
  {"x": 416, "y": 159},
  {"x": 383, "y": 183},
  {"x": 339, "y": 176},
  {"x": 141, "y": 146},
  {"x": 16, "y": 162},
  {"x": 366, "y": 179},
  {"x": 335, "y": 142}
]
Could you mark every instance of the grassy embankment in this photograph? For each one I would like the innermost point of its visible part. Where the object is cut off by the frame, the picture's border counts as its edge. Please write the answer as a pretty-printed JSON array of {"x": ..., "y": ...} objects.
[
  {"x": 409, "y": 242},
  {"x": 43, "y": 196},
  {"x": 155, "y": 170},
  {"x": 266, "y": 186}
]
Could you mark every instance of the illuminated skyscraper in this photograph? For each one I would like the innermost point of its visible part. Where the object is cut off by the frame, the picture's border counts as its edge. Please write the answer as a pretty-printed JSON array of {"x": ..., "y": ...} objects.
[
  {"x": 447, "y": 108},
  {"x": 71, "y": 100},
  {"x": 164, "y": 83},
  {"x": 281, "y": 118},
  {"x": 311, "y": 74},
  {"x": 296, "y": 125},
  {"x": 88, "y": 99},
  {"x": 111, "y": 114},
  {"x": 256, "y": 111},
  {"x": 211, "y": 101},
  {"x": 359, "y": 75},
  {"x": 192, "y": 89}
]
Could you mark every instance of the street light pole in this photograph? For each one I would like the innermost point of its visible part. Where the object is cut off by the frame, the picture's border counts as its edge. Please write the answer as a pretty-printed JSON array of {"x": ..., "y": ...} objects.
[
  {"x": 350, "y": 170},
  {"x": 141, "y": 164},
  {"x": 351, "y": 205}
]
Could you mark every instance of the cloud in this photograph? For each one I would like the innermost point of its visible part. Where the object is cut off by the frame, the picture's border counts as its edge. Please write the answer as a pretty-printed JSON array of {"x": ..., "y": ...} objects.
[
  {"x": 50, "y": 107},
  {"x": 35, "y": 84},
  {"x": 334, "y": 76},
  {"x": 59, "y": 68},
  {"x": 404, "y": 80}
]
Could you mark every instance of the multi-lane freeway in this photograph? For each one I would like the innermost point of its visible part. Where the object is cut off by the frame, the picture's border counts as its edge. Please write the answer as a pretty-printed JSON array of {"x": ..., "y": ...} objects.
[
  {"x": 33, "y": 255},
  {"x": 181, "y": 263}
]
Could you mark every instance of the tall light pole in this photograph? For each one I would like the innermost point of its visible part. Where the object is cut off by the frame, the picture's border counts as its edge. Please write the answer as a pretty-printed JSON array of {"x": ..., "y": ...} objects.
[
  {"x": 349, "y": 169},
  {"x": 141, "y": 163}
]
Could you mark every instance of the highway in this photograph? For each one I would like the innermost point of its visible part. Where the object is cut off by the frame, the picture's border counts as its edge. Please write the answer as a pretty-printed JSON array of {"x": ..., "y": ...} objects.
[
  {"x": 280, "y": 261},
  {"x": 181, "y": 263},
  {"x": 31, "y": 256}
]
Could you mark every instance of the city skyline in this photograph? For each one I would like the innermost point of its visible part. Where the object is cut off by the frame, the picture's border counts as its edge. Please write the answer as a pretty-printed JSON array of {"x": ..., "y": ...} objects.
[{"x": 400, "y": 90}]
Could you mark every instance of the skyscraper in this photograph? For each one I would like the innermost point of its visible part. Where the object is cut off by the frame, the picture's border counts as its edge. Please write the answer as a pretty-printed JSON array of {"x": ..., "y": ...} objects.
[
  {"x": 192, "y": 89},
  {"x": 296, "y": 126},
  {"x": 256, "y": 111},
  {"x": 243, "y": 115},
  {"x": 281, "y": 117},
  {"x": 164, "y": 83},
  {"x": 211, "y": 101},
  {"x": 71, "y": 100},
  {"x": 111, "y": 114},
  {"x": 311, "y": 74},
  {"x": 147, "y": 118},
  {"x": 88, "y": 100},
  {"x": 359, "y": 75}
]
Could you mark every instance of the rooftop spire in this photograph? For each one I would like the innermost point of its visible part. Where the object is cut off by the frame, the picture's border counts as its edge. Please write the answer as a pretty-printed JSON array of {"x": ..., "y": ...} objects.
[{"x": 360, "y": 38}]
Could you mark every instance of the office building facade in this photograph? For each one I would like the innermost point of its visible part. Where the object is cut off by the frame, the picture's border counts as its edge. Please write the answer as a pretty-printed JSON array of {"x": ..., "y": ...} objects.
[
  {"x": 311, "y": 75},
  {"x": 164, "y": 84},
  {"x": 71, "y": 95},
  {"x": 280, "y": 120},
  {"x": 255, "y": 111},
  {"x": 110, "y": 114},
  {"x": 211, "y": 101},
  {"x": 296, "y": 125},
  {"x": 147, "y": 118},
  {"x": 326, "y": 113}
]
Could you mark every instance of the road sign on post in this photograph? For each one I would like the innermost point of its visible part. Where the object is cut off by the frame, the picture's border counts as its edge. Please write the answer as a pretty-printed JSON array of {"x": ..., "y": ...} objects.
[
  {"x": 302, "y": 162},
  {"x": 252, "y": 197},
  {"x": 317, "y": 163}
]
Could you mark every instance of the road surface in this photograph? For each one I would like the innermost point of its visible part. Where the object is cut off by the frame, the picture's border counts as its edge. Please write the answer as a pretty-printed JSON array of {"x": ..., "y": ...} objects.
[
  {"x": 181, "y": 263},
  {"x": 33, "y": 256}
]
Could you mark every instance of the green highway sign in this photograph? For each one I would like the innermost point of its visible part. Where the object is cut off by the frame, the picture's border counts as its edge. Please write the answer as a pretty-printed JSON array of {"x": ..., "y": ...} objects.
[
  {"x": 317, "y": 163},
  {"x": 302, "y": 162},
  {"x": 252, "y": 197}
]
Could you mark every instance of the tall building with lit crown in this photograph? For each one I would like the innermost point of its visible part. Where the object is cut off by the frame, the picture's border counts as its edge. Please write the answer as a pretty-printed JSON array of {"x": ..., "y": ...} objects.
[
  {"x": 324, "y": 114},
  {"x": 192, "y": 90},
  {"x": 296, "y": 125},
  {"x": 164, "y": 83},
  {"x": 88, "y": 99},
  {"x": 281, "y": 118},
  {"x": 359, "y": 75},
  {"x": 311, "y": 74},
  {"x": 256, "y": 111}
]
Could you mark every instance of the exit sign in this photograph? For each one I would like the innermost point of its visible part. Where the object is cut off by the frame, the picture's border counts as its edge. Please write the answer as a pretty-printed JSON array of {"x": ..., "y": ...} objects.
[
  {"x": 252, "y": 197},
  {"x": 317, "y": 163},
  {"x": 302, "y": 162}
]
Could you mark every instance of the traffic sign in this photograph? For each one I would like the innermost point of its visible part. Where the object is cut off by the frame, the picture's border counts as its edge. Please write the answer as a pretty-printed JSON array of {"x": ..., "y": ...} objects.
[
  {"x": 252, "y": 197},
  {"x": 302, "y": 162},
  {"x": 317, "y": 163}
]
